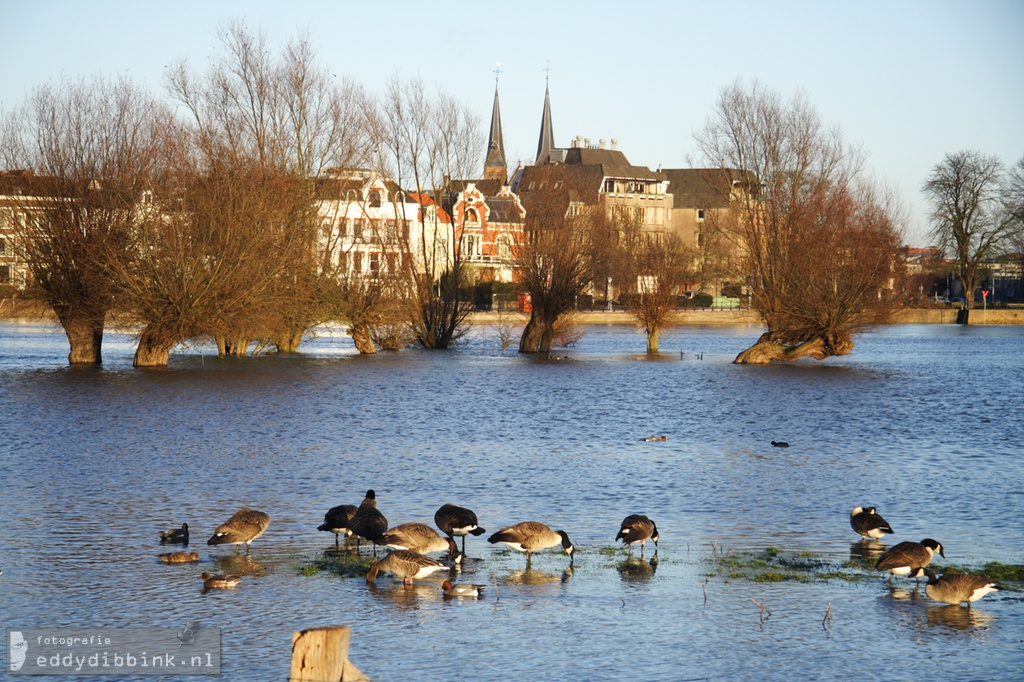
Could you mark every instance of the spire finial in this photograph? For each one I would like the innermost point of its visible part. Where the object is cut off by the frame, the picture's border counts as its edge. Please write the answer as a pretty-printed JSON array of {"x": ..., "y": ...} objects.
[
  {"x": 547, "y": 72},
  {"x": 497, "y": 72}
]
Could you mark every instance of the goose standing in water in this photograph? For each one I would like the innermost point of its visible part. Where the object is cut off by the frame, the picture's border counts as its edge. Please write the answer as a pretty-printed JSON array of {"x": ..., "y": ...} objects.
[
  {"x": 530, "y": 536},
  {"x": 869, "y": 524},
  {"x": 904, "y": 558},
  {"x": 638, "y": 528},
  {"x": 175, "y": 535},
  {"x": 406, "y": 565},
  {"x": 242, "y": 528},
  {"x": 956, "y": 588},
  {"x": 419, "y": 538},
  {"x": 454, "y": 520},
  {"x": 337, "y": 520},
  {"x": 368, "y": 523}
]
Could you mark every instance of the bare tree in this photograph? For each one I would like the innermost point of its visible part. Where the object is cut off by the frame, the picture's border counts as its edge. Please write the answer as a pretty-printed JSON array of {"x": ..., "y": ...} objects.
[
  {"x": 653, "y": 267},
  {"x": 970, "y": 219},
  {"x": 423, "y": 143},
  {"x": 819, "y": 240},
  {"x": 557, "y": 255},
  {"x": 91, "y": 146}
]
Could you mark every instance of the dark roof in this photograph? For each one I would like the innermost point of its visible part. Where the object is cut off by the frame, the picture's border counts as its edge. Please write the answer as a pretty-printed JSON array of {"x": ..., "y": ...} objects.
[
  {"x": 613, "y": 163},
  {"x": 503, "y": 209},
  {"x": 704, "y": 187},
  {"x": 581, "y": 183}
]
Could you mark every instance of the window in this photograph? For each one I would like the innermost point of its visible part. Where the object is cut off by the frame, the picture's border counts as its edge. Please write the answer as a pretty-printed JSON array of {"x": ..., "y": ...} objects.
[
  {"x": 357, "y": 262},
  {"x": 342, "y": 227},
  {"x": 470, "y": 246},
  {"x": 5, "y": 274},
  {"x": 700, "y": 215},
  {"x": 405, "y": 230},
  {"x": 343, "y": 261},
  {"x": 374, "y": 264},
  {"x": 357, "y": 228},
  {"x": 3, "y": 246},
  {"x": 504, "y": 247},
  {"x": 471, "y": 216},
  {"x": 375, "y": 198}
]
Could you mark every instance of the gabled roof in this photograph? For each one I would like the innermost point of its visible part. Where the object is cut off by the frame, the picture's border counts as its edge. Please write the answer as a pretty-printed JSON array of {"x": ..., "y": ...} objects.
[
  {"x": 613, "y": 163},
  {"x": 705, "y": 187}
]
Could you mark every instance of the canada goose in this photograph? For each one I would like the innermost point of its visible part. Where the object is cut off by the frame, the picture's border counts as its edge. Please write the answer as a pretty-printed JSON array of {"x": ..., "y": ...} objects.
[
  {"x": 242, "y": 528},
  {"x": 405, "y": 564},
  {"x": 368, "y": 523},
  {"x": 530, "y": 536},
  {"x": 956, "y": 588},
  {"x": 337, "y": 520},
  {"x": 175, "y": 535},
  {"x": 903, "y": 558},
  {"x": 178, "y": 557},
  {"x": 637, "y": 528},
  {"x": 455, "y": 520},
  {"x": 419, "y": 538},
  {"x": 461, "y": 590},
  {"x": 869, "y": 524},
  {"x": 780, "y": 444},
  {"x": 220, "y": 581}
]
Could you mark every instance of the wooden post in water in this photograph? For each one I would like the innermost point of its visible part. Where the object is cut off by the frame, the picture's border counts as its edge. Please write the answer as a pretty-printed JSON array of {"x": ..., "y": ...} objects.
[{"x": 321, "y": 655}]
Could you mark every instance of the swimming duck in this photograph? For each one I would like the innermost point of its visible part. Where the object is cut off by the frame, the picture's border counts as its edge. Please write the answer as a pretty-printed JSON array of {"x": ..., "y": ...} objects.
[
  {"x": 637, "y": 528},
  {"x": 904, "y": 558},
  {"x": 245, "y": 526},
  {"x": 175, "y": 535},
  {"x": 220, "y": 581},
  {"x": 530, "y": 536},
  {"x": 178, "y": 557},
  {"x": 405, "y": 564},
  {"x": 780, "y": 444},
  {"x": 869, "y": 524},
  {"x": 461, "y": 590},
  {"x": 654, "y": 439}
]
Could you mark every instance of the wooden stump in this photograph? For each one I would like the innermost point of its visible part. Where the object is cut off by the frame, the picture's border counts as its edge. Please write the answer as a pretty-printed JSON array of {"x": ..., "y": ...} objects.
[{"x": 321, "y": 655}]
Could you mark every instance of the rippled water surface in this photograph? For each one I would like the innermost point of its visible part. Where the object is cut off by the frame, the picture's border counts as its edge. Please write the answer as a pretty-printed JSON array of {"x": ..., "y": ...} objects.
[{"x": 924, "y": 422}]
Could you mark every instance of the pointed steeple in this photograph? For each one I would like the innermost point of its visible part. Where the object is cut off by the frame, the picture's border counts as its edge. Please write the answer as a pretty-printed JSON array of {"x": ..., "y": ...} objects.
[
  {"x": 495, "y": 166},
  {"x": 547, "y": 134}
]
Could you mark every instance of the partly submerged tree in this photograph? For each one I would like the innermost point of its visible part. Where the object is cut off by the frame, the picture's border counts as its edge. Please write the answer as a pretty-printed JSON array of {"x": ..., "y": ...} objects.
[
  {"x": 971, "y": 213},
  {"x": 557, "y": 254},
  {"x": 819, "y": 239},
  {"x": 88, "y": 150}
]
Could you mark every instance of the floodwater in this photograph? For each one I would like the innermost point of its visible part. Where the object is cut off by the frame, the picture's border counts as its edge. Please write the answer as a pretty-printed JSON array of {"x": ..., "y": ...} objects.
[{"x": 924, "y": 422}]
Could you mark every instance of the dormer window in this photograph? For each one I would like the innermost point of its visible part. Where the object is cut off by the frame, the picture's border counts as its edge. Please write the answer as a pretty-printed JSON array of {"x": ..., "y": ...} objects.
[{"x": 375, "y": 198}]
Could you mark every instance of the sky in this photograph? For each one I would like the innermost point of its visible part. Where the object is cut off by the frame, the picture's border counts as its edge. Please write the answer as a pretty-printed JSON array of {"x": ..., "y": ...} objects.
[{"x": 909, "y": 81}]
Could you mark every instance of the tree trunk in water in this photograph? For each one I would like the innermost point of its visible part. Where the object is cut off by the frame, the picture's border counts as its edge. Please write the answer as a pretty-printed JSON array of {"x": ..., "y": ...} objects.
[
  {"x": 768, "y": 349},
  {"x": 652, "y": 339},
  {"x": 152, "y": 351},
  {"x": 360, "y": 334},
  {"x": 289, "y": 343},
  {"x": 538, "y": 334},
  {"x": 86, "y": 339}
]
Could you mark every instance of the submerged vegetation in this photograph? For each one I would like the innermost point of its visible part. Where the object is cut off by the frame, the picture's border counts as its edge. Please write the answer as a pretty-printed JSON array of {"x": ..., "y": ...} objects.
[{"x": 344, "y": 564}]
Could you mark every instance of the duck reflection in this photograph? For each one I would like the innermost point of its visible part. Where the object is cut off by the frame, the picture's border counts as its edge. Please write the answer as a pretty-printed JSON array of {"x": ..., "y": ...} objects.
[
  {"x": 238, "y": 564},
  {"x": 958, "y": 618},
  {"x": 405, "y": 597},
  {"x": 638, "y": 570},
  {"x": 529, "y": 576},
  {"x": 867, "y": 549}
]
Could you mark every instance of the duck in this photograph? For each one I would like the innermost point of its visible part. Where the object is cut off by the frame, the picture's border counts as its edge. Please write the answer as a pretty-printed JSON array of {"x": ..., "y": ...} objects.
[
  {"x": 368, "y": 523},
  {"x": 906, "y": 557},
  {"x": 654, "y": 439},
  {"x": 220, "y": 581},
  {"x": 868, "y": 523},
  {"x": 406, "y": 564},
  {"x": 780, "y": 444},
  {"x": 178, "y": 557},
  {"x": 637, "y": 528},
  {"x": 175, "y": 535},
  {"x": 337, "y": 520},
  {"x": 454, "y": 520},
  {"x": 530, "y": 536},
  {"x": 245, "y": 526},
  {"x": 461, "y": 590},
  {"x": 956, "y": 588},
  {"x": 419, "y": 538}
]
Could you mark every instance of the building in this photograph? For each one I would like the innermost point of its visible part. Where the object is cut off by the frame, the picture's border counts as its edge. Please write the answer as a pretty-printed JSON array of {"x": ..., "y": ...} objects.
[
  {"x": 488, "y": 224},
  {"x": 23, "y": 197}
]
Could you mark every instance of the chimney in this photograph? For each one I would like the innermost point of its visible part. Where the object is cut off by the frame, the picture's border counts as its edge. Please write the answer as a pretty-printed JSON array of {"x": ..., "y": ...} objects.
[
  {"x": 601, "y": 143},
  {"x": 615, "y": 143},
  {"x": 587, "y": 142},
  {"x": 579, "y": 141}
]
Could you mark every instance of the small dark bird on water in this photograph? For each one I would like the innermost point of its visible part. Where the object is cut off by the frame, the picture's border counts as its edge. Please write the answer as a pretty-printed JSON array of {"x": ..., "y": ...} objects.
[
  {"x": 780, "y": 444},
  {"x": 175, "y": 535},
  {"x": 868, "y": 524}
]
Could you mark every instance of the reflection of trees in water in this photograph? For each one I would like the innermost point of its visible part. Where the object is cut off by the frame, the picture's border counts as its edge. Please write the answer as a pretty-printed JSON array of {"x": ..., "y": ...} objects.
[{"x": 638, "y": 570}]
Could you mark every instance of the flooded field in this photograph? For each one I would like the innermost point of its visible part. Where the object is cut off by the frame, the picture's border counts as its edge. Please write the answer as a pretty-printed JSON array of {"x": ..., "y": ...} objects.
[{"x": 758, "y": 575}]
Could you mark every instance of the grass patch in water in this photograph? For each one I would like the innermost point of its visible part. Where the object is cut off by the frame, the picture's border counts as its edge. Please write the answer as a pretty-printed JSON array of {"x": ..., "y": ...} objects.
[
  {"x": 344, "y": 565},
  {"x": 774, "y": 565}
]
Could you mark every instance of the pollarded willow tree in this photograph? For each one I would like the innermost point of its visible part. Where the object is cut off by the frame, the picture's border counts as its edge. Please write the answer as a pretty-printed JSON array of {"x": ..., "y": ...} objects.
[
  {"x": 88, "y": 149},
  {"x": 819, "y": 238}
]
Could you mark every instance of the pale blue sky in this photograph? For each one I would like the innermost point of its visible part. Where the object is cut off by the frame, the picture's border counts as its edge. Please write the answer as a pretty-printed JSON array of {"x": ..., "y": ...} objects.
[{"x": 909, "y": 80}]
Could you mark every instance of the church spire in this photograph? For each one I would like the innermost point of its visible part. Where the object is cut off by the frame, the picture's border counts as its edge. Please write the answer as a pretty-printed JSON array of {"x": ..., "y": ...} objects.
[
  {"x": 547, "y": 134},
  {"x": 495, "y": 166}
]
